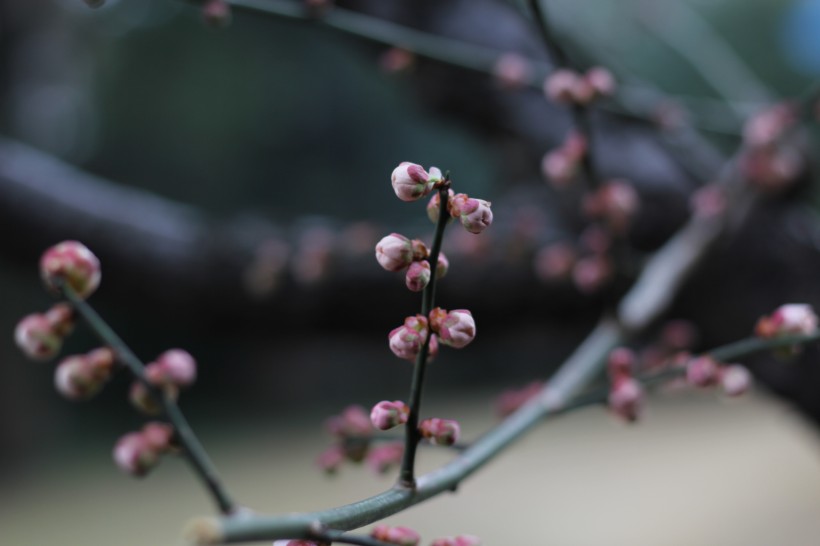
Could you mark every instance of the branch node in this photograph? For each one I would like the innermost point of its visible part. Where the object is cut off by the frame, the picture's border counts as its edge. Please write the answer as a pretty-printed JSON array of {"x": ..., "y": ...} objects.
[{"x": 202, "y": 531}]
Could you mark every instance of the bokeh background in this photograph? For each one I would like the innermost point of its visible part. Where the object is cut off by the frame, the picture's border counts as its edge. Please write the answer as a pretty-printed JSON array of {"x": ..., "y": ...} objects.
[{"x": 233, "y": 182}]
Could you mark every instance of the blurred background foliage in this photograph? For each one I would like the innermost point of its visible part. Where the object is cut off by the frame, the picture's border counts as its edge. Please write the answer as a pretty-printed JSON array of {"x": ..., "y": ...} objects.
[{"x": 288, "y": 121}]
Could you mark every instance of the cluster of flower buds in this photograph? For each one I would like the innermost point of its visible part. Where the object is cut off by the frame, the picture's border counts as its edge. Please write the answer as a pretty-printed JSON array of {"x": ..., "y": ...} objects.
[
  {"x": 386, "y": 415},
  {"x": 395, "y": 252},
  {"x": 614, "y": 203},
  {"x": 400, "y": 536},
  {"x": 474, "y": 214},
  {"x": 138, "y": 452},
  {"x": 407, "y": 340},
  {"x": 172, "y": 370},
  {"x": 791, "y": 319},
  {"x": 452, "y": 328},
  {"x": 460, "y": 540},
  {"x": 626, "y": 394},
  {"x": 40, "y": 335},
  {"x": 440, "y": 432},
  {"x": 561, "y": 165},
  {"x": 216, "y": 13},
  {"x": 566, "y": 86},
  {"x": 79, "y": 377},
  {"x": 588, "y": 265},
  {"x": 768, "y": 162},
  {"x": 704, "y": 372}
]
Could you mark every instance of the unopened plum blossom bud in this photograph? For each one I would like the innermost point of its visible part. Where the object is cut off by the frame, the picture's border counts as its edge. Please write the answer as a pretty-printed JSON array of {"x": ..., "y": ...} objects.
[
  {"x": 616, "y": 202},
  {"x": 442, "y": 265},
  {"x": 61, "y": 317},
  {"x": 134, "y": 455},
  {"x": 440, "y": 432},
  {"x": 559, "y": 168},
  {"x": 735, "y": 380},
  {"x": 158, "y": 436},
  {"x": 410, "y": 181},
  {"x": 434, "y": 205},
  {"x": 331, "y": 459},
  {"x": 386, "y": 415},
  {"x": 512, "y": 71},
  {"x": 35, "y": 336},
  {"x": 555, "y": 262},
  {"x": 216, "y": 13},
  {"x": 461, "y": 540},
  {"x": 77, "y": 377},
  {"x": 510, "y": 400},
  {"x": 626, "y": 399},
  {"x": 789, "y": 319},
  {"x": 178, "y": 367},
  {"x": 400, "y": 536},
  {"x": 600, "y": 80},
  {"x": 102, "y": 359},
  {"x": 72, "y": 264},
  {"x": 475, "y": 214},
  {"x": 679, "y": 335},
  {"x": 560, "y": 86},
  {"x": 407, "y": 340},
  {"x": 621, "y": 362},
  {"x": 702, "y": 371},
  {"x": 418, "y": 276},
  {"x": 353, "y": 421},
  {"x": 396, "y": 59},
  {"x": 382, "y": 458},
  {"x": 394, "y": 252},
  {"x": 142, "y": 399},
  {"x": 591, "y": 273},
  {"x": 455, "y": 328}
]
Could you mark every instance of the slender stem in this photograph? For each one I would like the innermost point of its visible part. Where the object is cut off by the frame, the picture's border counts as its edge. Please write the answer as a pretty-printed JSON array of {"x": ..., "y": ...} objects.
[
  {"x": 190, "y": 444},
  {"x": 412, "y": 435}
]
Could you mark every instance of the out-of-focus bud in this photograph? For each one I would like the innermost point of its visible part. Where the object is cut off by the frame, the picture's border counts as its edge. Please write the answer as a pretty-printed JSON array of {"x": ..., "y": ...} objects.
[
  {"x": 788, "y": 320},
  {"x": 442, "y": 266},
  {"x": 134, "y": 455},
  {"x": 772, "y": 170},
  {"x": 475, "y": 214},
  {"x": 331, "y": 459},
  {"x": 353, "y": 421},
  {"x": 601, "y": 81},
  {"x": 102, "y": 360},
  {"x": 434, "y": 205},
  {"x": 418, "y": 276},
  {"x": 559, "y": 168},
  {"x": 765, "y": 128},
  {"x": 620, "y": 363},
  {"x": 436, "y": 176},
  {"x": 708, "y": 201},
  {"x": 61, "y": 318},
  {"x": 432, "y": 350},
  {"x": 176, "y": 367},
  {"x": 702, "y": 371},
  {"x": 456, "y": 329},
  {"x": 394, "y": 252},
  {"x": 144, "y": 401},
  {"x": 461, "y": 540},
  {"x": 386, "y": 415},
  {"x": 626, "y": 399},
  {"x": 216, "y": 13},
  {"x": 561, "y": 86},
  {"x": 591, "y": 273},
  {"x": 397, "y": 59},
  {"x": 382, "y": 458},
  {"x": 510, "y": 400},
  {"x": 735, "y": 380},
  {"x": 440, "y": 432},
  {"x": 596, "y": 239},
  {"x": 555, "y": 262},
  {"x": 400, "y": 536},
  {"x": 616, "y": 202},
  {"x": 512, "y": 71},
  {"x": 72, "y": 264},
  {"x": 679, "y": 335},
  {"x": 76, "y": 379},
  {"x": 35, "y": 336},
  {"x": 407, "y": 340},
  {"x": 158, "y": 436},
  {"x": 410, "y": 181}
]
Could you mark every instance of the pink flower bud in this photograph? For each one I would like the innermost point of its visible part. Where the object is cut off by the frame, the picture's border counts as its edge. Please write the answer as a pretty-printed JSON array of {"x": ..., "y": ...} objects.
[
  {"x": 418, "y": 276},
  {"x": 591, "y": 273},
  {"x": 512, "y": 71},
  {"x": 35, "y": 336},
  {"x": 456, "y": 329},
  {"x": 400, "y": 536},
  {"x": 158, "y": 436},
  {"x": 102, "y": 360},
  {"x": 708, "y": 201},
  {"x": 71, "y": 263},
  {"x": 435, "y": 176},
  {"x": 410, "y": 181},
  {"x": 179, "y": 367},
  {"x": 702, "y": 371},
  {"x": 620, "y": 363},
  {"x": 787, "y": 320},
  {"x": 475, "y": 214},
  {"x": 133, "y": 454},
  {"x": 142, "y": 399},
  {"x": 382, "y": 458},
  {"x": 601, "y": 81},
  {"x": 735, "y": 380},
  {"x": 616, "y": 202},
  {"x": 461, "y": 540},
  {"x": 440, "y": 432},
  {"x": 216, "y": 13},
  {"x": 765, "y": 128},
  {"x": 434, "y": 205},
  {"x": 331, "y": 459},
  {"x": 386, "y": 415},
  {"x": 77, "y": 378},
  {"x": 679, "y": 335},
  {"x": 61, "y": 318},
  {"x": 407, "y": 340},
  {"x": 394, "y": 252},
  {"x": 555, "y": 262},
  {"x": 559, "y": 168},
  {"x": 560, "y": 86},
  {"x": 353, "y": 421},
  {"x": 396, "y": 60},
  {"x": 442, "y": 266},
  {"x": 626, "y": 399},
  {"x": 510, "y": 400}
]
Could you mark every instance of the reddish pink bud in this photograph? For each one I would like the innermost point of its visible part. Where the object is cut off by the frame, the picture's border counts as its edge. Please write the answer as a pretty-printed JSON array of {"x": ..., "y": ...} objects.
[
  {"x": 679, "y": 335},
  {"x": 410, "y": 181},
  {"x": 400, "y": 536},
  {"x": 442, "y": 266},
  {"x": 418, "y": 276},
  {"x": 434, "y": 205},
  {"x": 575, "y": 146},
  {"x": 134, "y": 455},
  {"x": 620, "y": 363},
  {"x": 512, "y": 71},
  {"x": 702, "y": 371},
  {"x": 216, "y": 13},
  {"x": 158, "y": 436},
  {"x": 559, "y": 168},
  {"x": 142, "y": 399},
  {"x": 601, "y": 81},
  {"x": 555, "y": 262},
  {"x": 77, "y": 378},
  {"x": 788, "y": 320},
  {"x": 61, "y": 318},
  {"x": 708, "y": 201},
  {"x": 396, "y": 59},
  {"x": 475, "y": 214},
  {"x": 300, "y": 542},
  {"x": 440, "y": 432},
  {"x": 616, "y": 202},
  {"x": 382, "y": 458},
  {"x": 394, "y": 252},
  {"x": 179, "y": 367},
  {"x": 771, "y": 169},
  {"x": 461, "y": 540},
  {"x": 735, "y": 380},
  {"x": 353, "y": 421},
  {"x": 456, "y": 329},
  {"x": 407, "y": 340},
  {"x": 35, "y": 336},
  {"x": 510, "y": 400},
  {"x": 561, "y": 85},
  {"x": 765, "y": 128},
  {"x": 386, "y": 415},
  {"x": 626, "y": 399},
  {"x": 102, "y": 360},
  {"x": 582, "y": 92},
  {"x": 591, "y": 273},
  {"x": 432, "y": 350},
  {"x": 331, "y": 459},
  {"x": 72, "y": 264}
]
